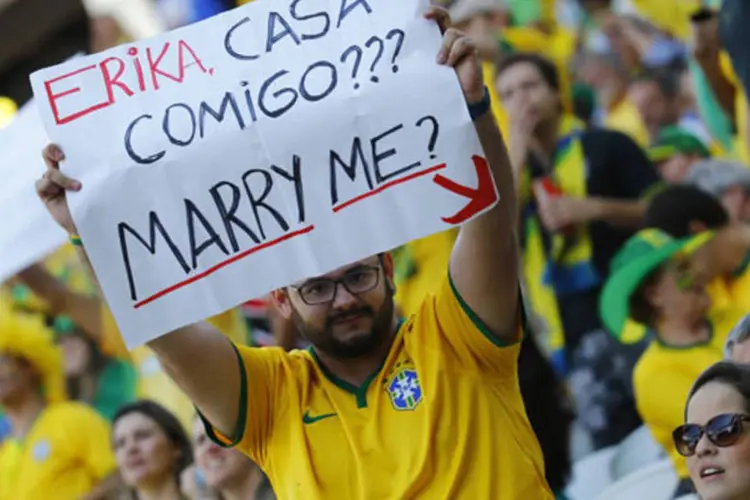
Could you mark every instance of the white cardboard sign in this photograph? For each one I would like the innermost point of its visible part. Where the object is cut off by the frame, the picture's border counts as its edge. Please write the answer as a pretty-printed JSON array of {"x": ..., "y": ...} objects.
[
  {"x": 27, "y": 232},
  {"x": 274, "y": 142}
]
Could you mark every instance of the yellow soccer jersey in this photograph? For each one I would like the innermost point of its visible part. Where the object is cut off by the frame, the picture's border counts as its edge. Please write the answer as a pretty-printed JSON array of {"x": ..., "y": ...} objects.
[
  {"x": 65, "y": 454},
  {"x": 442, "y": 418},
  {"x": 662, "y": 379},
  {"x": 431, "y": 256}
]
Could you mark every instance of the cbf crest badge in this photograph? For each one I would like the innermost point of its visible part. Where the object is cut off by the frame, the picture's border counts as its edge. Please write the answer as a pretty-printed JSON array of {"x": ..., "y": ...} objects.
[{"x": 404, "y": 389}]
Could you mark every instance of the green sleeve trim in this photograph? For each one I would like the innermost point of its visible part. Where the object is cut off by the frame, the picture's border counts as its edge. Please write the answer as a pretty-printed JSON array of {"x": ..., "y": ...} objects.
[
  {"x": 239, "y": 427},
  {"x": 481, "y": 326},
  {"x": 742, "y": 267}
]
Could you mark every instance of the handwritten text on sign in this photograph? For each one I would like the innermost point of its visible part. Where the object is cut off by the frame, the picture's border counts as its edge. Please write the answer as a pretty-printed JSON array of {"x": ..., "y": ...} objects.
[{"x": 271, "y": 143}]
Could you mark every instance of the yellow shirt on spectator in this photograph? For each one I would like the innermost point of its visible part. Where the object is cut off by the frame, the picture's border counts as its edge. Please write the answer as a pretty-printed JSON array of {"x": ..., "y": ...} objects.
[
  {"x": 442, "y": 418},
  {"x": 624, "y": 117},
  {"x": 662, "y": 379},
  {"x": 488, "y": 72},
  {"x": 66, "y": 453},
  {"x": 741, "y": 109},
  {"x": 672, "y": 16}
]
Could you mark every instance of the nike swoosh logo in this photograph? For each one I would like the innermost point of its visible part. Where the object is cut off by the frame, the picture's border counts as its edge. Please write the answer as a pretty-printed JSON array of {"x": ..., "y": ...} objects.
[{"x": 309, "y": 419}]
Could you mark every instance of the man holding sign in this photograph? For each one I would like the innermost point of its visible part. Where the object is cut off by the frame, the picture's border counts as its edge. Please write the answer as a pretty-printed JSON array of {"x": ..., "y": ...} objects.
[{"x": 426, "y": 407}]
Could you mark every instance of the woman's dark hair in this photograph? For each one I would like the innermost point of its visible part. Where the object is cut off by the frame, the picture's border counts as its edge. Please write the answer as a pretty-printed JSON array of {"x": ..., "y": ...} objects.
[
  {"x": 546, "y": 68},
  {"x": 97, "y": 362},
  {"x": 676, "y": 207},
  {"x": 639, "y": 308},
  {"x": 169, "y": 425},
  {"x": 548, "y": 410},
  {"x": 736, "y": 375}
]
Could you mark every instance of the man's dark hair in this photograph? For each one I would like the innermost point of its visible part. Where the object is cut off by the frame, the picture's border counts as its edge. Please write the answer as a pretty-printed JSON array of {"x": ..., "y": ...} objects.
[
  {"x": 639, "y": 307},
  {"x": 676, "y": 207},
  {"x": 666, "y": 78},
  {"x": 546, "y": 68}
]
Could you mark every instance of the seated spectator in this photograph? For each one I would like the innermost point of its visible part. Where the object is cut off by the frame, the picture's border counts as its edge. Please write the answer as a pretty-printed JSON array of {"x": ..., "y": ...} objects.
[
  {"x": 714, "y": 438},
  {"x": 92, "y": 317},
  {"x": 656, "y": 95},
  {"x": 579, "y": 193},
  {"x": 682, "y": 211},
  {"x": 728, "y": 181},
  {"x": 104, "y": 382},
  {"x": 653, "y": 281},
  {"x": 675, "y": 151},
  {"x": 227, "y": 472},
  {"x": 608, "y": 75},
  {"x": 56, "y": 449},
  {"x": 152, "y": 450}
]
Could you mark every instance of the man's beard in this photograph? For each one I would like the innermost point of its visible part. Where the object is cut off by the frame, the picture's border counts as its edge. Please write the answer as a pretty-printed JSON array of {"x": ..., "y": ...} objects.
[{"x": 358, "y": 346}]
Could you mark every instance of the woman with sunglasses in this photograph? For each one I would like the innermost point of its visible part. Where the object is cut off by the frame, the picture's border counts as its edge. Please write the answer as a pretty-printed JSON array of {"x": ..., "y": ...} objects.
[{"x": 716, "y": 438}]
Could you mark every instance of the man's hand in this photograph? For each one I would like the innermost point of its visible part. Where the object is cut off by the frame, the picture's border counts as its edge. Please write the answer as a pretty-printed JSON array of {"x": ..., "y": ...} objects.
[
  {"x": 559, "y": 212},
  {"x": 52, "y": 188},
  {"x": 460, "y": 52}
]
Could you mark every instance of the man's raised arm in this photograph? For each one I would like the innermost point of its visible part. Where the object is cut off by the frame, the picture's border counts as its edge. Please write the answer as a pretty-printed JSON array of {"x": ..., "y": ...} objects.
[
  {"x": 484, "y": 262},
  {"x": 197, "y": 357}
]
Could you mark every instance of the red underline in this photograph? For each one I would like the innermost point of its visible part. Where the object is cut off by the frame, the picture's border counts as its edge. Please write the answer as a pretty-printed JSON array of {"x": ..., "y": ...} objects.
[
  {"x": 225, "y": 263},
  {"x": 387, "y": 185}
]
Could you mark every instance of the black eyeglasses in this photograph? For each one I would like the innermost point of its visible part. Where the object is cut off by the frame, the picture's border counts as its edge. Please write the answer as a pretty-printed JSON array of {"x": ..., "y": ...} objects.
[
  {"x": 323, "y": 290},
  {"x": 722, "y": 430}
]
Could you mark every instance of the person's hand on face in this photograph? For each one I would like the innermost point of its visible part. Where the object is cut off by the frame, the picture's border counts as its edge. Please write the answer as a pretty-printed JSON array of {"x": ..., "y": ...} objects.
[
  {"x": 460, "y": 52},
  {"x": 559, "y": 212},
  {"x": 52, "y": 188},
  {"x": 523, "y": 120},
  {"x": 724, "y": 253}
]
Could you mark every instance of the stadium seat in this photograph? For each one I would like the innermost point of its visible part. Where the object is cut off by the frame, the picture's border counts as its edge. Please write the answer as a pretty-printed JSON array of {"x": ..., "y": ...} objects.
[
  {"x": 591, "y": 475},
  {"x": 635, "y": 452},
  {"x": 657, "y": 481}
]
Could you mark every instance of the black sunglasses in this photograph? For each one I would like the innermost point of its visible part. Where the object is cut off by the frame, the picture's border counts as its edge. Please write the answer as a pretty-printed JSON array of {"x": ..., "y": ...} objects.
[{"x": 722, "y": 430}]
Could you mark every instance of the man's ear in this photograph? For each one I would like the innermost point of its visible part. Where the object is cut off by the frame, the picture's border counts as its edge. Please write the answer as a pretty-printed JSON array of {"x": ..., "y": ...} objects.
[
  {"x": 387, "y": 261},
  {"x": 696, "y": 227},
  {"x": 282, "y": 302}
]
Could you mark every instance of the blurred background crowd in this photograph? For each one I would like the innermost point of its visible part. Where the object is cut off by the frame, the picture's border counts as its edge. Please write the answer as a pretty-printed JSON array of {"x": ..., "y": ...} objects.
[{"x": 627, "y": 125}]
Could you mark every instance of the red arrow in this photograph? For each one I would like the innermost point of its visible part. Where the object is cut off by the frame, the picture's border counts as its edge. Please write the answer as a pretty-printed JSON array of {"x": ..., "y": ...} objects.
[{"x": 481, "y": 197}]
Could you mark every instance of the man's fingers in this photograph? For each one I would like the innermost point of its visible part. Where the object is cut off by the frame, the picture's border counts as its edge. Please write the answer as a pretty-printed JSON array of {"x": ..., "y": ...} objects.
[
  {"x": 449, "y": 39},
  {"x": 52, "y": 155},
  {"x": 440, "y": 16},
  {"x": 45, "y": 187},
  {"x": 60, "y": 179},
  {"x": 462, "y": 47}
]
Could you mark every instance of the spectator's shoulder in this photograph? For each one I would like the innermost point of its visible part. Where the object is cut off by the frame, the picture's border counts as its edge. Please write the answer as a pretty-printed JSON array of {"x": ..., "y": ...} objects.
[{"x": 72, "y": 411}]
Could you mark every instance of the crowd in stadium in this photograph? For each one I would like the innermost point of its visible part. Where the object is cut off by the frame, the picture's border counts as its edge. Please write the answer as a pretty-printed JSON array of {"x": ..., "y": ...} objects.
[{"x": 618, "y": 135}]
